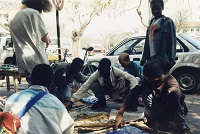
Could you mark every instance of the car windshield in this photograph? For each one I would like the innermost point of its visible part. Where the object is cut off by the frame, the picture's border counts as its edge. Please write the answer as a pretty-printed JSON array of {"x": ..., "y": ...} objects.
[
  {"x": 124, "y": 47},
  {"x": 193, "y": 41}
]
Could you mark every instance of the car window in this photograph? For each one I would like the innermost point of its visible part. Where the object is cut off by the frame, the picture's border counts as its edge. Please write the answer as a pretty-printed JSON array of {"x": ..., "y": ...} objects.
[
  {"x": 138, "y": 49},
  {"x": 9, "y": 42},
  {"x": 193, "y": 41},
  {"x": 179, "y": 48},
  {"x": 136, "y": 46},
  {"x": 125, "y": 47}
]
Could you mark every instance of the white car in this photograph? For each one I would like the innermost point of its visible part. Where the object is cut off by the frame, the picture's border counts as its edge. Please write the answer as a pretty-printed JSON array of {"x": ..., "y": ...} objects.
[
  {"x": 6, "y": 50},
  {"x": 187, "y": 67}
]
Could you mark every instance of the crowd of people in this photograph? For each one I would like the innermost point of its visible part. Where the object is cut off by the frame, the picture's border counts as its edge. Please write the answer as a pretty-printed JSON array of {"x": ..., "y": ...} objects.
[{"x": 164, "y": 106}]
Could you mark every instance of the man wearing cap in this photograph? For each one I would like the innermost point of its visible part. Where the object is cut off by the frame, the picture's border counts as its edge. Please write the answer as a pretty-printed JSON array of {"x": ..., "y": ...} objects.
[
  {"x": 103, "y": 82},
  {"x": 163, "y": 101}
]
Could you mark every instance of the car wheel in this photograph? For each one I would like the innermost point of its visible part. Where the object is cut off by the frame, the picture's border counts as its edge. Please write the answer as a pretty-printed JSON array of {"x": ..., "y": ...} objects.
[
  {"x": 89, "y": 69},
  {"x": 188, "y": 80}
]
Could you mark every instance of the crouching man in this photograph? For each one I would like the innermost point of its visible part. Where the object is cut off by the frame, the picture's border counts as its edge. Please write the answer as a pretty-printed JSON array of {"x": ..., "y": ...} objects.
[
  {"x": 105, "y": 81},
  {"x": 164, "y": 104}
]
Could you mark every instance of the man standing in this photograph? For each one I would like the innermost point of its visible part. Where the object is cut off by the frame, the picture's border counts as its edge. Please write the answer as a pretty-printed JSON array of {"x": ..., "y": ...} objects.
[
  {"x": 160, "y": 38},
  {"x": 29, "y": 35}
]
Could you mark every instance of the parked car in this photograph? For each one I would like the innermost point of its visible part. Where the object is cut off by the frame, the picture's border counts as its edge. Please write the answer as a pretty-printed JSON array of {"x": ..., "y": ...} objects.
[
  {"x": 187, "y": 67},
  {"x": 6, "y": 50}
]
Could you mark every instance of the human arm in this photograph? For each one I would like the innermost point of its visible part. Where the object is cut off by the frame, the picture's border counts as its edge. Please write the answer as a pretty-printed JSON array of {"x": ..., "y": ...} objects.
[
  {"x": 67, "y": 124},
  {"x": 146, "y": 51},
  {"x": 85, "y": 87},
  {"x": 138, "y": 69},
  {"x": 172, "y": 41},
  {"x": 129, "y": 101},
  {"x": 119, "y": 120},
  {"x": 80, "y": 77},
  {"x": 119, "y": 73},
  {"x": 46, "y": 39},
  {"x": 40, "y": 29}
]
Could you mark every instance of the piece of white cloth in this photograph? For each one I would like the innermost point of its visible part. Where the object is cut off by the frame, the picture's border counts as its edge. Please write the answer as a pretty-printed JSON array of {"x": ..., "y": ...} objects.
[
  {"x": 114, "y": 73},
  {"x": 47, "y": 116},
  {"x": 26, "y": 29}
]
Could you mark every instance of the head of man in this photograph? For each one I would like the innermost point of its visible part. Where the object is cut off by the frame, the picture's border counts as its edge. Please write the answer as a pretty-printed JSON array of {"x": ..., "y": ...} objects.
[
  {"x": 124, "y": 59},
  {"x": 42, "y": 74},
  {"x": 153, "y": 71},
  {"x": 157, "y": 6},
  {"x": 39, "y": 5},
  {"x": 104, "y": 68},
  {"x": 76, "y": 65}
]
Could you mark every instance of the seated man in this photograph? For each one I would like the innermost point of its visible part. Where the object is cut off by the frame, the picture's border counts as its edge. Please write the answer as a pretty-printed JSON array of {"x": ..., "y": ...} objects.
[
  {"x": 164, "y": 104},
  {"x": 130, "y": 66},
  {"x": 103, "y": 82},
  {"x": 64, "y": 74},
  {"x": 48, "y": 115}
]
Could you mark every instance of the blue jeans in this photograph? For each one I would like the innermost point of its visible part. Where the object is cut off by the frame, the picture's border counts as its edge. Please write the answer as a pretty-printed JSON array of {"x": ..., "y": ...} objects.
[{"x": 63, "y": 93}]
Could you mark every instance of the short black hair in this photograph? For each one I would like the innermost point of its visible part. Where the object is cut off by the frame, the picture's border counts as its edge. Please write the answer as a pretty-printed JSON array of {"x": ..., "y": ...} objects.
[
  {"x": 76, "y": 65},
  {"x": 157, "y": 1},
  {"x": 77, "y": 61},
  {"x": 39, "y": 5},
  {"x": 153, "y": 68},
  {"x": 42, "y": 74},
  {"x": 105, "y": 62}
]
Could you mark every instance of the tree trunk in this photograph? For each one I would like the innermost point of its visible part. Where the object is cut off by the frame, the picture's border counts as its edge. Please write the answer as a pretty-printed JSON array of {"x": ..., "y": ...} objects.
[{"x": 75, "y": 46}]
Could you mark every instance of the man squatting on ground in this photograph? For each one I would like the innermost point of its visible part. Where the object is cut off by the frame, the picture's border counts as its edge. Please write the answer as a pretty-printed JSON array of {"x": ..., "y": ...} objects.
[
  {"x": 64, "y": 74},
  {"x": 164, "y": 104},
  {"x": 103, "y": 82}
]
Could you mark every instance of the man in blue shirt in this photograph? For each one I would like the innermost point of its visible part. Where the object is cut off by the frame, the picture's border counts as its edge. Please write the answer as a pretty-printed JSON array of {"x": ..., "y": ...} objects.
[{"x": 132, "y": 67}]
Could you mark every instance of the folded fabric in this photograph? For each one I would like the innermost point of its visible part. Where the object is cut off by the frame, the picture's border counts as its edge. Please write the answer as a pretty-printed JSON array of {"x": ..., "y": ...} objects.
[{"x": 90, "y": 100}]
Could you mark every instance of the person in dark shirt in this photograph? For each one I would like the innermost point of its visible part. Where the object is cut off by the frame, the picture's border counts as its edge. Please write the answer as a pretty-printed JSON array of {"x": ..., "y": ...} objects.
[
  {"x": 64, "y": 74},
  {"x": 160, "y": 39},
  {"x": 164, "y": 104}
]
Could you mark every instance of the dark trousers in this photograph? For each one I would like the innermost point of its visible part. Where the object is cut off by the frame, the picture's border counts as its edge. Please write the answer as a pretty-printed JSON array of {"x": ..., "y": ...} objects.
[
  {"x": 100, "y": 91},
  {"x": 172, "y": 110}
]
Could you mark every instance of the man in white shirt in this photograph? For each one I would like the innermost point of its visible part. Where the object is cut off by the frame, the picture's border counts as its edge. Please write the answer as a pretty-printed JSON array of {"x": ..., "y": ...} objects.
[
  {"x": 48, "y": 115},
  {"x": 29, "y": 34}
]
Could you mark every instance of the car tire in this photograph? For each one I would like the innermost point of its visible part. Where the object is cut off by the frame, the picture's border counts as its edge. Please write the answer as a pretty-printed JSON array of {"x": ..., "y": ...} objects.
[{"x": 188, "y": 80}]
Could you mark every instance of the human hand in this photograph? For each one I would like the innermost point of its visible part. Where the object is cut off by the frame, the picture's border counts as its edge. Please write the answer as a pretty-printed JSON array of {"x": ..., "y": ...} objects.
[
  {"x": 68, "y": 105},
  {"x": 119, "y": 121}
]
